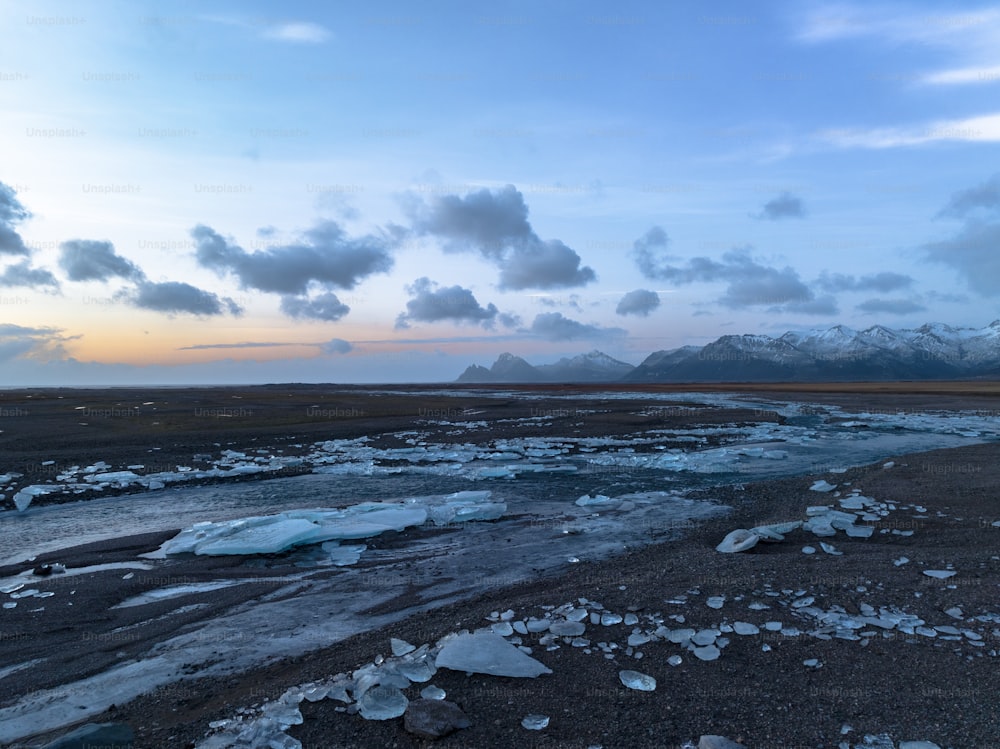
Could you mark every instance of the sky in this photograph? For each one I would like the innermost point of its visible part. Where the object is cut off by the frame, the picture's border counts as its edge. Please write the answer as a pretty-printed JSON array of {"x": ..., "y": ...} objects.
[{"x": 220, "y": 192}]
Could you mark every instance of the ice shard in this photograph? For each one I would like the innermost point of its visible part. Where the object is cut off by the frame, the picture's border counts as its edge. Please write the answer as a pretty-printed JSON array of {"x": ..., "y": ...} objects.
[{"x": 487, "y": 653}]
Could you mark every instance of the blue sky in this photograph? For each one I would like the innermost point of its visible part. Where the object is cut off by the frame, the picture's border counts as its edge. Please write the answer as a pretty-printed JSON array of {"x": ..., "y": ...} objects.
[{"x": 252, "y": 192}]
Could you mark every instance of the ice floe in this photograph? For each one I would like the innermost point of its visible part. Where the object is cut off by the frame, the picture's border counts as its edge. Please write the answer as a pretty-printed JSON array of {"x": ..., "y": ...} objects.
[{"x": 269, "y": 534}]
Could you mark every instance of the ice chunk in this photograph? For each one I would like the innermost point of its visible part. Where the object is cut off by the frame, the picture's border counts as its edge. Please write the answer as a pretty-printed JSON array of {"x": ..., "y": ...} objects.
[
  {"x": 567, "y": 629},
  {"x": 400, "y": 647},
  {"x": 535, "y": 722},
  {"x": 487, "y": 653},
  {"x": 745, "y": 628},
  {"x": 776, "y": 531},
  {"x": 707, "y": 653},
  {"x": 600, "y": 502},
  {"x": 342, "y": 556},
  {"x": 382, "y": 703},
  {"x": 830, "y": 549},
  {"x": 432, "y": 692},
  {"x": 939, "y": 574},
  {"x": 738, "y": 540},
  {"x": 638, "y": 681},
  {"x": 822, "y": 486}
]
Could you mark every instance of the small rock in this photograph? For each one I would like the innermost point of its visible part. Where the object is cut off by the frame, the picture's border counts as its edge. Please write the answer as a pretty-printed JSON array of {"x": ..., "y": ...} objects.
[{"x": 432, "y": 719}]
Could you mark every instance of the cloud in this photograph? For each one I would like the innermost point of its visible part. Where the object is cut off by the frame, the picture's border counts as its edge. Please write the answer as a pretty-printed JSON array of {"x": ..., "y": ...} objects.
[
  {"x": 973, "y": 254},
  {"x": 509, "y": 320},
  {"x": 322, "y": 307},
  {"x": 553, "y": 326},
  {"x": 326, "y": 256},
  {"x": 90, "y": 260},
  {"x": 336, "y": 346},
  {"x": 883, "y": 282},
  {"x": 453, "y": 303},
  {"x": 639, "y": 302},
  {"x": 245, "y": 344},
  {"x": 302, "y": 32},
  {"x": 785, "y": 205},
  {"x": 986, "y": 196},
  {"x": 176, "y": 297},
  {"x": 495, "y": 224},
  {"x": 41, "y": 344},
  {"x": 891, "y": 306},
  {"x": 970, "y": 36},
  {"x": 649, "y": 253},
  {"x": 11, "y": 212},
  {"x": 982, "y": 129},
  {"x": 21, "y": 274},
  {"x": 824, "y": 305}
]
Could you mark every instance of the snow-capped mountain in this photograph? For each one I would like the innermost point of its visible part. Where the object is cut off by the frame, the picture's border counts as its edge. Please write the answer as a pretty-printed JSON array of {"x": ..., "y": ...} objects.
[
  {"x": 593, "y": 367},
  {"x": 931, "y": 352}
]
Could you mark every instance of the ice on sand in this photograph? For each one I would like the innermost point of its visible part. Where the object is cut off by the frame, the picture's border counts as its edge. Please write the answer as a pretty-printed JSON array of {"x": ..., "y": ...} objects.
[
  {"x": 487, "y": 653},
  {"x": 939, "y": 574},
  {"x": 382, "y": 703},
  {"x": 738, "y": 540},
  {"x": 638, "y": 681},
  {"x": 269, "y": 534},
  {"x": 535, "y": 722},
  {"x": 823, "y": 486}
]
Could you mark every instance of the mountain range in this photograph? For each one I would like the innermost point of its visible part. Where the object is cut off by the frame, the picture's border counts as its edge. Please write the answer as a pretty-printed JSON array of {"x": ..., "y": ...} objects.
[{"x": 931, "y": 352}]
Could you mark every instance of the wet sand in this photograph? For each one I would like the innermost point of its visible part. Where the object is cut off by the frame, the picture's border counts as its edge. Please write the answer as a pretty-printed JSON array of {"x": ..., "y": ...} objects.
[{"x": 910, "y": 687}]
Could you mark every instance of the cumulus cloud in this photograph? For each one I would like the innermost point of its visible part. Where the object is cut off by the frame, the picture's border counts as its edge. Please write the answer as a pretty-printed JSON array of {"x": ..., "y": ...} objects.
[
  {"x": 785, "y": 205},
  {"x": 973, "y": 254},
  {"x": 90, "y": 260},
  {"x": 882, "y": 282},
  {"x": 495, "y": 224},
  {"x": 321, "y": 307},
  {"x": 325, "y": 256},
  {"x": 751, "y": 283},
  {"x": 336, "y": 346},
  {"x": 22, "y": 274},
  {"x": 891, "y": 306},
  {"x": 649, "y": 253},
  {"x": 11, "y": 213},
  {"x": 639, "y": 302},
  {"x": 176, "y": 297},
  {"x": 453, "y": 303},
  {"x": 824, "y": 305},
  {"x": 985, "y": 196},
  {"x": 553, "y": 326}
]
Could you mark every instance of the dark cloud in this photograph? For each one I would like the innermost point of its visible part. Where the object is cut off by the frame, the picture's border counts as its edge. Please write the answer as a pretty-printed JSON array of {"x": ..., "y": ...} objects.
[
  {"x": 639, "y": 302},
  {"x": 553, "y": 326},
  {"x": 336, "y": 346},
  {"x": 509, "y": 320},
  {"x": 453, "y": 303},
  {"x": 21, "y": 274},
  {"x": 176, "y": 297},
  {"x": 883, "y": 282},
  {"x": 40, "y": 344},
  {"x": 11, "y": 212},
  {"x": 891, "y": 306},
  {"x": 321, "y": 307},
  {"x": 986, "y": 196},
  {"x": 649, "y": 253},
  {"x": 974, "y": 253},
  {"x": 785, "y": 205},
  {"x": 750, "y": 282},
  {"x": 326, "y": 256},
  {"x": 90, "y": 260},
  {"x": 495, "y": 224}
]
